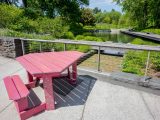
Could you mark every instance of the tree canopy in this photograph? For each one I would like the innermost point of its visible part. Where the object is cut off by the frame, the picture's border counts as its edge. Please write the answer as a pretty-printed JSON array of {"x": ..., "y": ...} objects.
[
  {"x": 145, "y": 13},
  {"x": 87, "y": 17},
  {"x": 69, "y": 9}
]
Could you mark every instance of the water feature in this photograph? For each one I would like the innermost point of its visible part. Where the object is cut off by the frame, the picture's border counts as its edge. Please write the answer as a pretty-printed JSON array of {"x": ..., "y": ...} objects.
[{"x": 115, "y": 36}]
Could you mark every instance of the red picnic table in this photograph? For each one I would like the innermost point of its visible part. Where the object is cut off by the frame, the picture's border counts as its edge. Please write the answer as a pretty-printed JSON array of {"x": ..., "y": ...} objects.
[{"x": 49, "y": 65}]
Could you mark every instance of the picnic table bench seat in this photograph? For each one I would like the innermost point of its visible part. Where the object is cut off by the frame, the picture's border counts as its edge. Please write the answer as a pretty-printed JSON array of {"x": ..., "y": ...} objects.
[{"x": 20, "y": 94}]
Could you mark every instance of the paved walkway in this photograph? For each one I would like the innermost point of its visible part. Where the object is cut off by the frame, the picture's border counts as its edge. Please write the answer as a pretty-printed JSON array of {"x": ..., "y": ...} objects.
[
  {"x": 107, "y": 99},
  {"x": 151, "y": 36}
]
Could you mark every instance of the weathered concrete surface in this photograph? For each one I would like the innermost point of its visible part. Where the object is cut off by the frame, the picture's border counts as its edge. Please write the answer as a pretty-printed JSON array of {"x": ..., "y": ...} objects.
[
  {"x": 112, "y": 102},
  {"x": 108, "y": 100}
]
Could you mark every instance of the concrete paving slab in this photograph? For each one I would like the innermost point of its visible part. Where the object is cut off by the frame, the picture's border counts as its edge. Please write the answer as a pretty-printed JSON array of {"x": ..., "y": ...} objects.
[
  {"x": 4, "y": 60},
  {"x": 112, "y": 102},
  {"x": 9, "y": 113},
  {"x": 9, "y": 68},
  {"x": 108, "y": 100}
]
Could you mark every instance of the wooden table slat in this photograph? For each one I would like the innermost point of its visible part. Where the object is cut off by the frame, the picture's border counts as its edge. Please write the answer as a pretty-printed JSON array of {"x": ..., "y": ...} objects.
[{"x": 28, "y": 66}]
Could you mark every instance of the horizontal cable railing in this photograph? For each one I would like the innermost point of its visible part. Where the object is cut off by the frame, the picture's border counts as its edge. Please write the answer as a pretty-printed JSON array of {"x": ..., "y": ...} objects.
[{"x": 140, "y": 57}]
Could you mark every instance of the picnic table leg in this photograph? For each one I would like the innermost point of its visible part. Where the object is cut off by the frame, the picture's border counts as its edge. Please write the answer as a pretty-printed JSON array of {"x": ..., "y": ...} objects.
[
  {"x": 69, "y": 74},
  {"x": 30, "y": 77},
  {"x": 74, "y": 73},
  {"x": 49, "y": 94}
]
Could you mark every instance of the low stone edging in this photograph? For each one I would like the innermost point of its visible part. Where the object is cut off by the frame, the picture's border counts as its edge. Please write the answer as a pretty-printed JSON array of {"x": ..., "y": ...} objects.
[{"x": 10, "y": 47}]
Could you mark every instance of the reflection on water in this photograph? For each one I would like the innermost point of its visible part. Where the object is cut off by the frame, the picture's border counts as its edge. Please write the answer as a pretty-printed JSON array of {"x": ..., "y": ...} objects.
[{"x": 114, "y": 36}]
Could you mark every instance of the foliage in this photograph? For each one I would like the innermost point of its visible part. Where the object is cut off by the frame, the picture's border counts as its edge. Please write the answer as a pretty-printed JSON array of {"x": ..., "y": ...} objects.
[
  {"x": 135, "y": 62},
  {"x": 111, "y": 17},
  {"x": 55, "y": 27},
  {"x": 96, "y": 10},
  {"x": 100, "y": 17},
  {"x": 151, "y": 30},
  {"x": 80, "y": 37},
  {"x": 139, "y": 41},
  {"x": 69, "y": 35},
  {"x": 11, "y": 33},
  {"x": 76, "y": 28},
  {"x": 144, "y": 13},
  {"x": 87, "y": 17},
  {"x": 8, "y": 15},
  {"x": 114, "y": 16},
  {"x": 91, "y": 38},
  {"x": 25, "y": 25},
  {"x": 88, "y": 38},
  {"x": 83, "y": 48},
  {"x": 70, "y": 9},
  {"x": 125, "y": 21},
  {"x": 32, "y": 13}
]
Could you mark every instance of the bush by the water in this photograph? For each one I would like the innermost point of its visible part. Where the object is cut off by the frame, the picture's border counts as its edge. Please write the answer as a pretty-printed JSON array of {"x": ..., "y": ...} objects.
[{"x": 89, "y": 38}]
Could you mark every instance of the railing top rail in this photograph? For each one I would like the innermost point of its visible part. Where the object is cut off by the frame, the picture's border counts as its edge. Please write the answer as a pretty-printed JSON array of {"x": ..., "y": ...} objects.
[{"x": 100, "y": 44}]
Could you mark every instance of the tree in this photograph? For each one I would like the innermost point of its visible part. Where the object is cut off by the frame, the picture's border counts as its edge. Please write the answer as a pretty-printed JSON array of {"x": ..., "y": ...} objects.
[
  {"x": 69, "y": 9},
  {"x": 100, "y": 17},
  {"x": 107, "y": 19},
  {"x": 145, "y": 13},
  {"x": 9, "y": 2},
  {"x": 114, "y": 16},
  {"x": 87, "y": 17},
  {"x": 96, "y": 10}
]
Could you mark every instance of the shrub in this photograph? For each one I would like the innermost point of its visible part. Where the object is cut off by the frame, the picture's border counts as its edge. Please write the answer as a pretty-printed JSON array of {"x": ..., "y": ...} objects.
[
  {"x": 9, "y": 15},
  {"x": 156, "y": 60},
  {"x": 135, "y": 62},
  {"x": 87, "y": 17},
  {"x": 83, "y": 48},
  {"x": 69, "y": 35},
  {"x": 79, "y": 37},
  {"x": 31, "y": 13},
  {"x": 25, "y": 35},
  {"x": 91, "y": 38},
  {"x": 56, "y": 27},
  {"x": 25, "y": 25}
]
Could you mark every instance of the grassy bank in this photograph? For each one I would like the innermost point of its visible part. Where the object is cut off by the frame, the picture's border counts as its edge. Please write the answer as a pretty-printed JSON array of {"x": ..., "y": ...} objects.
[
  {"x": 103, "y": 26},
  {"x": 68, "y": 35},
  {"x": 135, "y": 61},
  {"x": 155, "y": 31}
]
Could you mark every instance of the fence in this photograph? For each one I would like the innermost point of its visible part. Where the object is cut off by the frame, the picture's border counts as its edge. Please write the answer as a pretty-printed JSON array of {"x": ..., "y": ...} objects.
[{"x": 142, "y": 59}]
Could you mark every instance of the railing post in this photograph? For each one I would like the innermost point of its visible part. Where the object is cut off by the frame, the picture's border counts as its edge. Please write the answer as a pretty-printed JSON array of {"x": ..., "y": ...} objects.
[
  {"x": 40, "y": 47},
  {"x": 99, "y": 58},
  {"x": 65, "y": 45},
  {"x": 23, "y": 48},
  {"x": 147, "y": 64}
]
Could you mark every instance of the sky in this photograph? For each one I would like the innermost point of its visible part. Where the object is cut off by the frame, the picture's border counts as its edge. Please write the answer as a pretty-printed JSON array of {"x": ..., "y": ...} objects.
[{"x": 107, "y": 5}]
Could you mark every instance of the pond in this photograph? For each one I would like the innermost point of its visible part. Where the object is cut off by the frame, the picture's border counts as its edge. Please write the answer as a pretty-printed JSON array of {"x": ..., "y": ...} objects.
[{"x": 117, "y": 37}]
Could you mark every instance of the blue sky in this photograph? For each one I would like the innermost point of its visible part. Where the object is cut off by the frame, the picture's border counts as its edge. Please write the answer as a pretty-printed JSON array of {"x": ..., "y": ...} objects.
[{"x": 107, "y": 5}]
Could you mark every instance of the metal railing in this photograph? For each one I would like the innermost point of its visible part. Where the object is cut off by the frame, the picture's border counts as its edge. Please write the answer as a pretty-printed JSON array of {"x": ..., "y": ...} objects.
[{"x": 64, "y": 43}]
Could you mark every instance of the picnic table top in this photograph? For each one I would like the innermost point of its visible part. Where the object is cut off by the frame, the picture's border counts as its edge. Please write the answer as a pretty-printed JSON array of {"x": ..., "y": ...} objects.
[{"x": 48, "y": 62}]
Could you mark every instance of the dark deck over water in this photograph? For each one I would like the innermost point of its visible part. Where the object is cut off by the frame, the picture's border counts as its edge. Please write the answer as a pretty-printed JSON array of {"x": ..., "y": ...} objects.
[{"x": 150, "y": 36}]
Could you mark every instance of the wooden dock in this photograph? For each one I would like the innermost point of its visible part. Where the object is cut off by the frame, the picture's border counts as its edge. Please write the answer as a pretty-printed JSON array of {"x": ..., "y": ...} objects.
[{"x": 149, "y": 36}]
